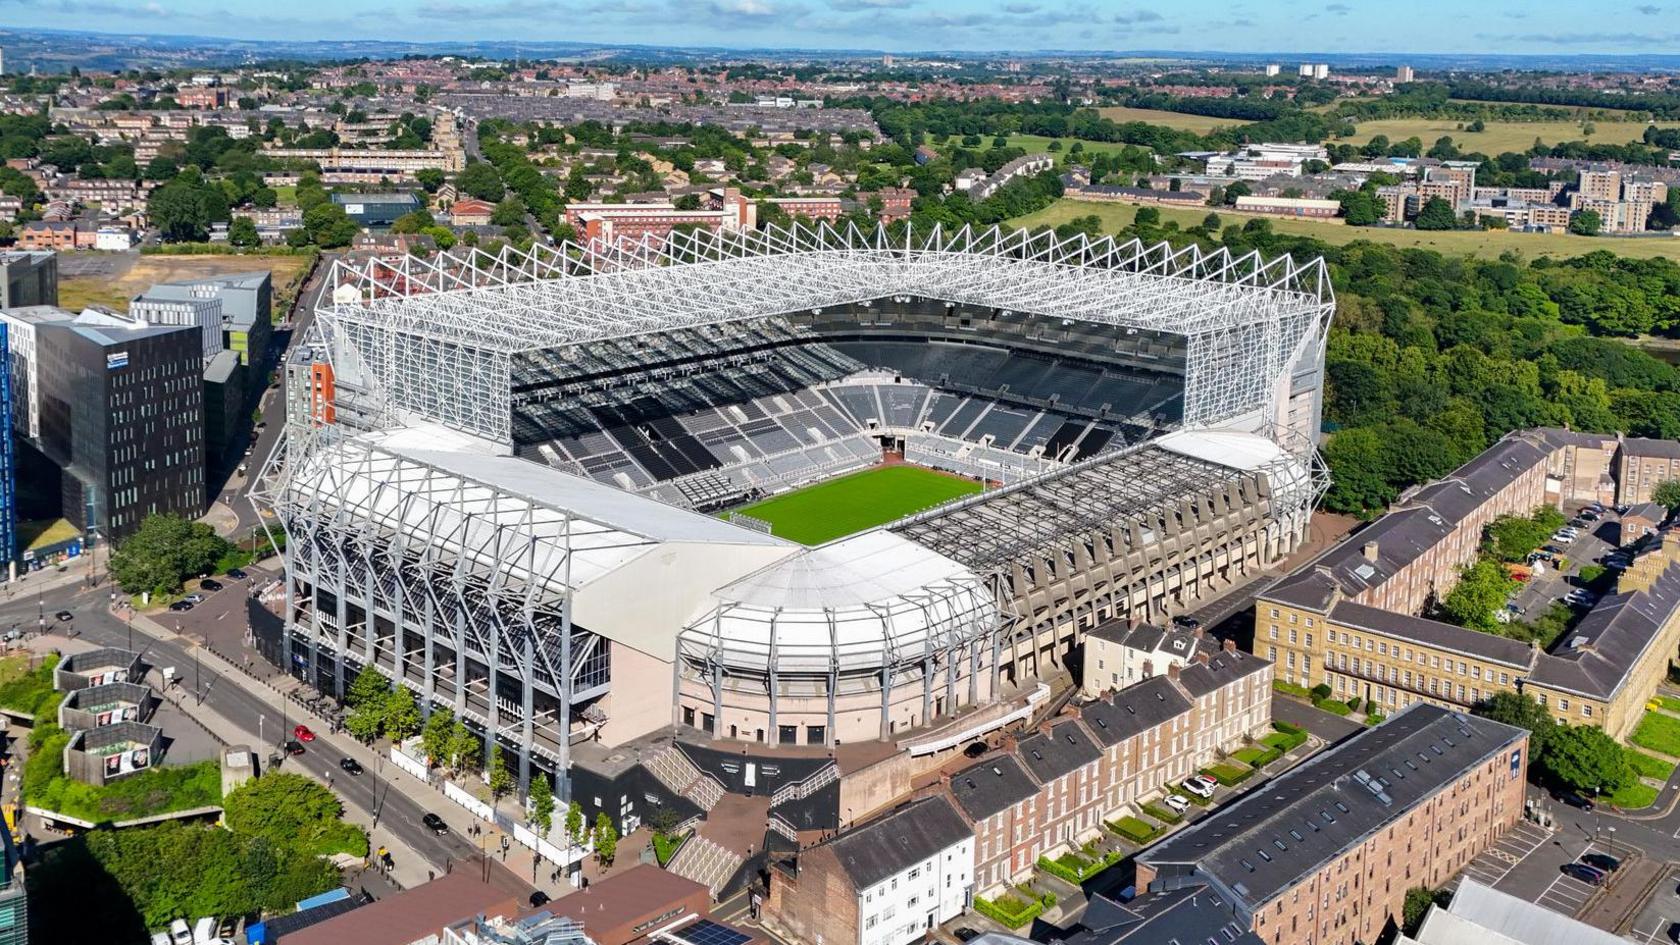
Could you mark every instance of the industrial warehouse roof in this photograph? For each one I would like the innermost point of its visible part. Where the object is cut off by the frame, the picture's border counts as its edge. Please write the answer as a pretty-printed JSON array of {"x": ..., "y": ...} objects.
[
  {"x": 1260, "y": 845},
  {"x": 1482, "y": 915},
  {"x": 890, "y": 845},
  {"x": 571, "y": 295}
]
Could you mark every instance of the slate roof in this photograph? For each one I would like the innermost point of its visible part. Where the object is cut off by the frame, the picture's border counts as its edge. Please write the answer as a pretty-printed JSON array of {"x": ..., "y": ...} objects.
[
  {"x": 1642, "y": 446},
  {"x": 1147, "y": 637},
  {"x": 1594, "y": 658},
  {"x": 992, "y": 786},
  {"x": 892, "y": 844},
  {"x": 1417, "y": 524},
  {"x": 1445, "y": 636},
  {"x": 1066, "y": 748},
  {"x": 1258, "y": 846},
  {"x": 1131, "y": 710},
  {"x": 1221, "y": 669},
  {"x": 1190, "y": 916}
]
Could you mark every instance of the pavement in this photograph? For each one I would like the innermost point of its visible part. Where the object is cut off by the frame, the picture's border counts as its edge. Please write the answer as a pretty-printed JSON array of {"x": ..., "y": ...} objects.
[{"x": 1328, "y": 728}]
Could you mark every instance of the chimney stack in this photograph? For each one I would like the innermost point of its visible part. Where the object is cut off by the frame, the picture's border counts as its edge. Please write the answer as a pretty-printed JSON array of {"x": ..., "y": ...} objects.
[
  {"x": 1370, "y": 550},
  {"x": 1172, "y": 671},
  {"x": 1229, "y": 646}
]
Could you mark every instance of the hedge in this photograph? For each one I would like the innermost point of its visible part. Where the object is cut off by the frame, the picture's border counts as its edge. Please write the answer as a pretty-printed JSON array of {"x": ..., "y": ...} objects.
[
  {"x": 1256, "y": 757},
  {"x": 1228, "y": 775},
  {"x": 1288, "y": 738},
  {"x": 1332, "y": 706},
  {"x": 1133, "y": 829},
  {"x": 1013, "y": 911},
  {"x": 1290, "y": 689},
  {"x": 1076, "y": 868},
  {"x": 1160, "y": 813}
]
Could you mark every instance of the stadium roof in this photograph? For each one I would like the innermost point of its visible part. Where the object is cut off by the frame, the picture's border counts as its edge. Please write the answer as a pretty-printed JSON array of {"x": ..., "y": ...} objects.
[{"x": 571, "y": 295}]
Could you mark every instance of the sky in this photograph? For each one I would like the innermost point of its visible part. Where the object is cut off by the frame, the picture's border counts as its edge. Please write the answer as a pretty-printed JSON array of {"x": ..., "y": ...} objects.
[{"x": 1348, "y": 26}]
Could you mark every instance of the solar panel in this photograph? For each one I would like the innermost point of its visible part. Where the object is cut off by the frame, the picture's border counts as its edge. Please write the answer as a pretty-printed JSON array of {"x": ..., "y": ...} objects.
[{"x": 707, "y": 932}]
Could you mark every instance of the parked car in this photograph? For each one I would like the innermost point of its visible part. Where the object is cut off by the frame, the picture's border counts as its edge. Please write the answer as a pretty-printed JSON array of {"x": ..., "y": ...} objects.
[
  {"x": 1575, "y": 800},
  {"x": 539, "y": 899},
  {"x": 1197, "y": 788},
  {"x": 238, "y": 574},
  {"x": 1177, "y": 803},
  {"x": 181, "y": 606},
  {"x": 294, "y": 747},
  {"x": 1186, "y": 622},
  {"x": 303, "y": 734},
  {"x": 1585, "y": 873},
  {"x": 180, "y": 933},
  {"x": 350, "y": 765},
  {"x": 435, "y": 824},
  {"x": 1601, "y": 861},
  {"x": 966, "y": 934},
  {"x": 210, "y": 584}
]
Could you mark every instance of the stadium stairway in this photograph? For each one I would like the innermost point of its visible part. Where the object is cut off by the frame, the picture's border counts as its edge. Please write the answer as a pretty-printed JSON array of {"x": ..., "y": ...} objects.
[
  {"x": 675, "y": 771},
  {"x": 706, "y": 863}
]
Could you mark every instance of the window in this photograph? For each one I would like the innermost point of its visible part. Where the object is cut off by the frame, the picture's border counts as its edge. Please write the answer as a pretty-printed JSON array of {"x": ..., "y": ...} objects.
[
  {"x": 1586, "y": 710},
  {"x": 1563, "y": 705}
]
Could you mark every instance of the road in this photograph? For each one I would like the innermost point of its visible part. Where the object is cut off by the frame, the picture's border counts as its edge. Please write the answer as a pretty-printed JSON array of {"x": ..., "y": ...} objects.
[
  {"x": 263, "y": 718},
  {"x": 1330, "y": 728}
]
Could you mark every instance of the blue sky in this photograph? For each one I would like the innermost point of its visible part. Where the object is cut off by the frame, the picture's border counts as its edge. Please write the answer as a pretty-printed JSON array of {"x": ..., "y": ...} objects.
[{"x": 1495, "y": 26}]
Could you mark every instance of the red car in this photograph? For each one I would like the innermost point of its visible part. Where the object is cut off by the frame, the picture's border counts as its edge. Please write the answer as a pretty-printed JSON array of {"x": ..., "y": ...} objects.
[{"x": 303, "y": 734}]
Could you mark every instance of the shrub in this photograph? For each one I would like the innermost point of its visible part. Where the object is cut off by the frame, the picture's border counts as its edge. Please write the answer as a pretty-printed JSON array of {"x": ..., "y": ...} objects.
[
  {"x": 29, "y": 690},
  {"x": 1321, "y": 691},
  {"x": 1009, "y": 910},
  {"x": 1256, "y": 757},
  {"x": 1353, "y": 704},
  {"x": 1133, "y": 829},
  {"x": 1332, "y": 706},
  {"x": 666, "y": 846},
  {"x": 1290, "y": 689}
]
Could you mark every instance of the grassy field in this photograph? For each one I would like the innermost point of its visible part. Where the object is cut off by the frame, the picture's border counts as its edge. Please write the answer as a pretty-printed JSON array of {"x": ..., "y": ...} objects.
[
  {"x": 838, "y": 507},
  {"x": 114, "y": 289},
  {"x": 1484, "y": 243},
  {"x": 1200, "y": 124},
  {"x": 1498, "y": 136}
]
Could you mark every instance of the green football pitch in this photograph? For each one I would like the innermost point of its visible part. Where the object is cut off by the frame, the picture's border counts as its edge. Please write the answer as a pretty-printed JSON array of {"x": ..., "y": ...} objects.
[{"x": 828, "y": 510}]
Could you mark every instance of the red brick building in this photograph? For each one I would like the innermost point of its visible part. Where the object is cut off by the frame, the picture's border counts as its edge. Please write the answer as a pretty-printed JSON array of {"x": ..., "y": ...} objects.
[{"x": 1324, "y": 853}]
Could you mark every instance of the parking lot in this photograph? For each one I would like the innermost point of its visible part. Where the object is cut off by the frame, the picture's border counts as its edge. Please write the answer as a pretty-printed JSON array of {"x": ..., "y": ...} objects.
[
  {"x": 1495, "y": 862},
  {"x": 1596, "y": 540},
  {"x": 1566, "y": 894},
  {"x": 1659, "y": 920}
]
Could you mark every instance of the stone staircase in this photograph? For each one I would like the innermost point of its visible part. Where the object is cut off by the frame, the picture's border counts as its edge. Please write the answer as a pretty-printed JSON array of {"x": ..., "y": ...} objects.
[
  {"x": 705, "y": 862},
  {"x": 676, "y": 772}
]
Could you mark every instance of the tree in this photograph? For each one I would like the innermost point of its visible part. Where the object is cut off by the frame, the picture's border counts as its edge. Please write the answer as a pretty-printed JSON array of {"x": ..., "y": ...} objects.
[
  {"x": 1586, "y": 223},
  {"x": 542, "y": 804},
  {"x": 291, "y": 810},
  {"x": 184, "y": 208},
  {"x": 1584, "y": 758},
  {"x": 430, "y": 178},
  {"x": 164, "y": 552},
  {"x": 509, "y": 212},
  {"x": 435, "y": 735},
  {"x": 481, "y": 180},
  {"x": 1667, "y": 494},
  {"x": 463, "y": 745},
  {"x": 606, "y": 839},
  {"x": 1520, "y": 709},
  {"x": 1437, "y": 214},
  {"x": 1418, "y": 901},
  {"x": 1479, "y": 593},
  {"x": 243, "y": 232},
  {"x": 574, "y": 822},
  {"x": 369, "y": 686},
  {"x": 497, "y": 775},
  {"x": 402, "y": 716}
]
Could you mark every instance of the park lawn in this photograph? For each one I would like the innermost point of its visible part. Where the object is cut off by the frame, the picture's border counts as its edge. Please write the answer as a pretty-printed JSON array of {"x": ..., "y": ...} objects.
[
  {"x": 1496, "y": 137},
  {"x": 1635, "y": 796},
  {"x": 849, "y": 504},
  {"x": 1486, "y": 244},
  {"x": 1658, "y": 732},
  {"x": 1200, "y": 124},
  {"x": 114, "y": 291},
  {"x": 286, "y": 195},
  {"x": 1649, "y": 767}
]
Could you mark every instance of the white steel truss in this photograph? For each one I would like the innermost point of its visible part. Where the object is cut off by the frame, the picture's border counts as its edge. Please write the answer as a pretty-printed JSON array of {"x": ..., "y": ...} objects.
[{"x": 436, "y": 337}]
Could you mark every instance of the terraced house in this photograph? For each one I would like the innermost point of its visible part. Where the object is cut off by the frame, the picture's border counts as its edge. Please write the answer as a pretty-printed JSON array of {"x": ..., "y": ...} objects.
[
  {"x": 1351, "y": 619},
  {"x": 1052, "y": 790}
]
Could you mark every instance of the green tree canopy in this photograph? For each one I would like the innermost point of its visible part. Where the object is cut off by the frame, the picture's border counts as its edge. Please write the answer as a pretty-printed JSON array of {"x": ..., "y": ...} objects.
[
  {"x": 1667, "y": 494},
  {"x": 164, "y": 552},
  {"x": 1436, "y": 214},
  {"x": 292, "y": 811},
  {"x": 1583, "y": 757},
  {"x": 1480, "y": 592}
]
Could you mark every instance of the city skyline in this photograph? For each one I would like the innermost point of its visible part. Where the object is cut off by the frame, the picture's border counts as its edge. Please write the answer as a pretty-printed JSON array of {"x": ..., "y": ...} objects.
[{"x": 1248, "y": 27}]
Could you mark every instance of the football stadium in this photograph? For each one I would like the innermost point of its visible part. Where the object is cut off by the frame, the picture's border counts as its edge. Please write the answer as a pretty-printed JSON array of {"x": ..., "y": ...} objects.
[{"x": 789, "y": 487}]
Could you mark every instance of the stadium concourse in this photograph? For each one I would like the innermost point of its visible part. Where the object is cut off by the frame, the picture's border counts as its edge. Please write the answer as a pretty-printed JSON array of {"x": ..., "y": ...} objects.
[{"x": 515, "y": 484}]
